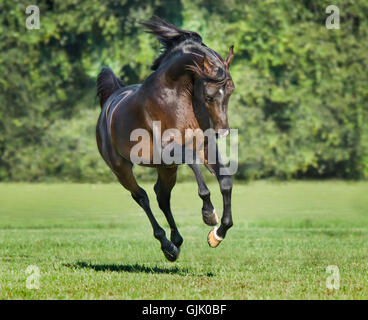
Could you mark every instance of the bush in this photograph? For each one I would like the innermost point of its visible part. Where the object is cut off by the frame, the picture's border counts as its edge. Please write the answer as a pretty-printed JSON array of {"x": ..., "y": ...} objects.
[{"x": 299, "y": 103}]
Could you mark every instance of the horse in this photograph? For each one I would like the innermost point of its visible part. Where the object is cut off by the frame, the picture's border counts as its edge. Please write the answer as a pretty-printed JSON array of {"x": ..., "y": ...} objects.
[{"x": 189, "y": 88}]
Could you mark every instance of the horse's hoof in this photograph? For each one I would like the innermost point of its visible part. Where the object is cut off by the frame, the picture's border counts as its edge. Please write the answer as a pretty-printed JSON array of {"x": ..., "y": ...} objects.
[
  {"x": 170, "y": 251},
  {"x": 212, "y": 219},
  {"x": 213, "y": 239}
]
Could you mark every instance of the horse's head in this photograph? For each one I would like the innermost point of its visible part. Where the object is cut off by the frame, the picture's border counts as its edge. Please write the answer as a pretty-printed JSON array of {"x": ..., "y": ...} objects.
[
  {"x": 212, "y": 83},
  {"x": 213, "y": 88}
]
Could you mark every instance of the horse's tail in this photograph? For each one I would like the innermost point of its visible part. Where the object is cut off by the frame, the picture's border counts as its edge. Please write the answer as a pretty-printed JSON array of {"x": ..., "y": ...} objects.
[{"x": 107, "y": 83}]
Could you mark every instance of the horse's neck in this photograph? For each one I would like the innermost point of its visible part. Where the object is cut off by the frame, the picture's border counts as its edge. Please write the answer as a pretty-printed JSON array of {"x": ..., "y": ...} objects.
[
  {"x": 193, "y": 109},
  {"x": 171, "y": 90},
  {"x": 175, "y": 80},
  {"x": 171, "y": 100}
]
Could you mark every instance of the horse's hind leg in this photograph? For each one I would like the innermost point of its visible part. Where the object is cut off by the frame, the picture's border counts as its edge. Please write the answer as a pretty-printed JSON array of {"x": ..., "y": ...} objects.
[
  {"x": 123, "y": 170},
  {"x": 208, "y": 211},
  {"x": 165, "y": 182}
]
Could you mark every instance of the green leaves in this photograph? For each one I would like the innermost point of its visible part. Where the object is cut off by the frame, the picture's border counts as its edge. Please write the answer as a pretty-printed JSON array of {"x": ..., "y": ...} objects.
[{"x": 300, "y": 102}]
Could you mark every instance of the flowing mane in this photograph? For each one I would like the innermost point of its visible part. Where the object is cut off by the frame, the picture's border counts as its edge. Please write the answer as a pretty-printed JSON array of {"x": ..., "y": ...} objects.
[
  {"x": 172, "y": 37},
  {"x": 169, "y": 36}
]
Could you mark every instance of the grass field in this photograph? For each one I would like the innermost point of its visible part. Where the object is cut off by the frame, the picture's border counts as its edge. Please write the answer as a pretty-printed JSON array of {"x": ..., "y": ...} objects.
[{"x": 94, "y": 242}]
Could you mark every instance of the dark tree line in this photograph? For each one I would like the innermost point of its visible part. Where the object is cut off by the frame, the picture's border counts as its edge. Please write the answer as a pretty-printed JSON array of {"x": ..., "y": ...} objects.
[{"x": 300, "y": 102}]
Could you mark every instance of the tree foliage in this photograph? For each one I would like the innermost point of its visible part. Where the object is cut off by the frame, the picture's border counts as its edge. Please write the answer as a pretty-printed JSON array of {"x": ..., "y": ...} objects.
[{"x": 300, "y": 102}]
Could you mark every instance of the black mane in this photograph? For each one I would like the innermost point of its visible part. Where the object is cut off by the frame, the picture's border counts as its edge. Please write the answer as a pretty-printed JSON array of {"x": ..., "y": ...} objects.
[{"x": 169, "y": 36}]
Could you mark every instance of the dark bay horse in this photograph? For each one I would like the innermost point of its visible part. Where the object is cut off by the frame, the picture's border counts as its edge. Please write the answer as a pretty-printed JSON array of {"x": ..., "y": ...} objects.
[{"x": 189, "y": 89}]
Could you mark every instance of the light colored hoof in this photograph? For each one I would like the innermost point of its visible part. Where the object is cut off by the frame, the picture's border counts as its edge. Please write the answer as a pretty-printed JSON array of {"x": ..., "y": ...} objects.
[
  {"x": 212, "y": 239},
  {"x": 211, "y": 220}
]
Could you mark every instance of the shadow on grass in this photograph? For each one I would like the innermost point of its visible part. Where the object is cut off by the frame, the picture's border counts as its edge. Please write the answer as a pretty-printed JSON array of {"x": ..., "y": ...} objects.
[{"x": 134, "y": 268}]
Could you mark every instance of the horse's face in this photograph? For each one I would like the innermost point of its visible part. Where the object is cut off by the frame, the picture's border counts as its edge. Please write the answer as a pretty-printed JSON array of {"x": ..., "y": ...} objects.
[
  {"x": 217, "y": 95},
  {"x": 216, "y": 101},
  {"x": 211, "y": 92}
]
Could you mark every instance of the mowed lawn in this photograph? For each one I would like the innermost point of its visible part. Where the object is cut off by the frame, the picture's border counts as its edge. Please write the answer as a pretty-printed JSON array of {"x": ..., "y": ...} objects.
[{"x": 94, "y": 242}]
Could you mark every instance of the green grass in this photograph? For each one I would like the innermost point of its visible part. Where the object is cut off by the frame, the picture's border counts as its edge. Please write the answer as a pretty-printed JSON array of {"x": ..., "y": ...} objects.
[{"x": 94, "y": 242}]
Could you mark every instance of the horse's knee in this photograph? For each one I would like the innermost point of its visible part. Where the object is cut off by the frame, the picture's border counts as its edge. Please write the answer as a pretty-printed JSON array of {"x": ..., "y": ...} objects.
[
  {"x": 226, "y": 184},
  {"x": 161, "y": 191},
  {"x": 162, "y": 196},
  {"x": 141, "y": 198},
  {"x": 204, "y": 194}
]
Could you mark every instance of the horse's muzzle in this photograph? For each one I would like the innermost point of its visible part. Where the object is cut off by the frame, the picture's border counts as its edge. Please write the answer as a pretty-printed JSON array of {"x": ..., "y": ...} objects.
[{"x": 222, "y": 133}]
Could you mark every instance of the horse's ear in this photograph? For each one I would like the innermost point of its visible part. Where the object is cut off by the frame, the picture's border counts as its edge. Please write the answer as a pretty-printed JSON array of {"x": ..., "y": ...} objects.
[{"x": 230, "y": 56}]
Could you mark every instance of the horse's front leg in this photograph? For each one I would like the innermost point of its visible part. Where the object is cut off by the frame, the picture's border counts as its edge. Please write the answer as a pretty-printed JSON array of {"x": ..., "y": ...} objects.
[
  {"x": 209, "y": 214},
  {"x": 225, "y": 180}
]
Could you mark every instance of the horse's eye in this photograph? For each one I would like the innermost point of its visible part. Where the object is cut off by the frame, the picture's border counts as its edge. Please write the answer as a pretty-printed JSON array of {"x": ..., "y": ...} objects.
[{"x": 209, "y": 99}]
